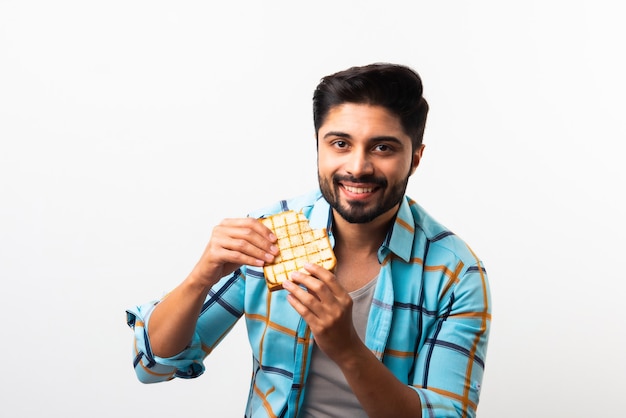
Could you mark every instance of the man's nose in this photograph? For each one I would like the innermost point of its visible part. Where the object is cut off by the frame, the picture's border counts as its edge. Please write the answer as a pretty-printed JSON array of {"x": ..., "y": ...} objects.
[{"x": 359, "y": 164}]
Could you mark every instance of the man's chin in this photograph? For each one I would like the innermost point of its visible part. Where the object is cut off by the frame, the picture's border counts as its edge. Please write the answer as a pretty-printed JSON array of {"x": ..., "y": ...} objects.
[{"x": 356, "y": 215}]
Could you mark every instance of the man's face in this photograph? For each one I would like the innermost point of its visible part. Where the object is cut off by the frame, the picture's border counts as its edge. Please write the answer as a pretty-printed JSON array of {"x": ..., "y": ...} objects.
[{"x": 364, "y": 161}]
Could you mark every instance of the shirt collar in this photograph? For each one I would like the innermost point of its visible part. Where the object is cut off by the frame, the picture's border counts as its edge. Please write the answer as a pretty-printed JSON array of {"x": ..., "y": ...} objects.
[
  {"x": 320, "y": 216},
  {"x": 400, "y": 238}
]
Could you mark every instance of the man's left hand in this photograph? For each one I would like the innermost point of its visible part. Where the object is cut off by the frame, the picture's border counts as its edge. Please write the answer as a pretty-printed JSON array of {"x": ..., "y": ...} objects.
[{"x": 326, "y": 307}]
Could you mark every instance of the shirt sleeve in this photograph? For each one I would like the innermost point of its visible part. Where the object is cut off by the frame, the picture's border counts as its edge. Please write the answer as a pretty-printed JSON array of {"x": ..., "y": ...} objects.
[
  {"x": 221, "y": 310},
  {"x": 449, "y": 368}
]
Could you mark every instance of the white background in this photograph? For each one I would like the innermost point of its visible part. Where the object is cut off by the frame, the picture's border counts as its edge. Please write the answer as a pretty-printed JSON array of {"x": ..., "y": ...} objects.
[{"x": 129, "y": 128}]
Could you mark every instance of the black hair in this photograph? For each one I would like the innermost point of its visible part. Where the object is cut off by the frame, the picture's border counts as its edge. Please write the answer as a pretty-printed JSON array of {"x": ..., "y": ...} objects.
[{"x": 395, "y": 87}]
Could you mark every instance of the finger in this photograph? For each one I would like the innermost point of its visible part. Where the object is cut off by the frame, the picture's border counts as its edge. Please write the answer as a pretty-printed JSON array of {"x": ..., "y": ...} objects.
[
  {"x": 232, "y": 248},
  {"x": 325, "y": 276},
  {"x": 309, "y": 317},
  {"x": 238, "y": 258},
  {"x": 251, "y": 226},
  {"x": 250, "y": 238},
  {"x": 304, "y": 302},
  {"x": 311, "y": 283},
  {"x": 299, "y": 289}
]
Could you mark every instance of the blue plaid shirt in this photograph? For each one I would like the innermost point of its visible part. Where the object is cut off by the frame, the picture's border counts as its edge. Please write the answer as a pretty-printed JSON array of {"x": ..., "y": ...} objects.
[{"x": 428, "y": 323}]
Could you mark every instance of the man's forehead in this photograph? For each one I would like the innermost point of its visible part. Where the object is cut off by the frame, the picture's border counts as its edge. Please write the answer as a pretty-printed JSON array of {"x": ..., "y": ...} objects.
[{"x": 351, "y": 119}]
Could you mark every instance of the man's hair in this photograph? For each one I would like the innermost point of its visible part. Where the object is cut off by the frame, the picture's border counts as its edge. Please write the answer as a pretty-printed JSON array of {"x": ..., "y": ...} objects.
[{"x": 395, "y": 87}]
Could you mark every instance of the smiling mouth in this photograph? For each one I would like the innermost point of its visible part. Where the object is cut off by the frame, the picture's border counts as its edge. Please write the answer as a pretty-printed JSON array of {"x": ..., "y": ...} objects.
[{"x": 358, "y": 190}]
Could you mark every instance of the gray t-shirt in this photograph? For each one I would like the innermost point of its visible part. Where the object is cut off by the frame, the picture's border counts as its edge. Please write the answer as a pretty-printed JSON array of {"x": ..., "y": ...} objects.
[{"x": 327, "y": 392}]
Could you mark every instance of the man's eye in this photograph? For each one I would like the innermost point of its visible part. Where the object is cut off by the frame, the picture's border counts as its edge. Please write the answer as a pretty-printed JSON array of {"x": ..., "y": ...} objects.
[
  {"x": 340, "y": 144},
  {"x": 382, "y": 148}
]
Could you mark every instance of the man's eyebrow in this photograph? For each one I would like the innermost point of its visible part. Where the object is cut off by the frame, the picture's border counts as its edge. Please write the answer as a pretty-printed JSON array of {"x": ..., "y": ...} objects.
[
  {"x": 386, "y": 138},
  {"x": 337, "y": 133}
]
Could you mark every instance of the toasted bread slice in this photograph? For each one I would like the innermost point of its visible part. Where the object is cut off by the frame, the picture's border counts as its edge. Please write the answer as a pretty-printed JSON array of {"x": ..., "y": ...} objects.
[{"x": 298, "y": 244}]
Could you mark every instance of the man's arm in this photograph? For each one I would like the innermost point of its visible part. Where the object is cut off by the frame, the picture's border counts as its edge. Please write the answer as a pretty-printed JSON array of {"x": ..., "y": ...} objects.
[
  {"x": 327, "y": 309},
  {"x": 233, "y": 243}
]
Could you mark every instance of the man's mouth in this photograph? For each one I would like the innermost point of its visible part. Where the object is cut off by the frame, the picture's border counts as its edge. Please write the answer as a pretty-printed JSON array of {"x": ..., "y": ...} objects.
[
  {"x": 363, "y": 187},
  {"x": 358, "y": 190}
]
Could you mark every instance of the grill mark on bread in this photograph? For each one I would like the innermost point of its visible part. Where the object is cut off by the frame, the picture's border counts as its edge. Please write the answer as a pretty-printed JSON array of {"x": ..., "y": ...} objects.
[{"x": 298, "y": 244}]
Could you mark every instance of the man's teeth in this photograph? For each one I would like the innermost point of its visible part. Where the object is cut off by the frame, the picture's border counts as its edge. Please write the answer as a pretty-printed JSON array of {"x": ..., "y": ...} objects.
[{"x": 359, "y": 189}]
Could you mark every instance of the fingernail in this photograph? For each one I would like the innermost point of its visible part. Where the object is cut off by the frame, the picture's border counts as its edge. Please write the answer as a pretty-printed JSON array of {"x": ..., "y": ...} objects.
[
  {"x": 269, "y": 257},
  {"x": 274, "y": 249}
]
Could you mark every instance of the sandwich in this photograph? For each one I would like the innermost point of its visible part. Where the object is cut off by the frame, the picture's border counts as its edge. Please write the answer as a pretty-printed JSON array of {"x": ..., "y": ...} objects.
[{"x": 298, "y": 244}]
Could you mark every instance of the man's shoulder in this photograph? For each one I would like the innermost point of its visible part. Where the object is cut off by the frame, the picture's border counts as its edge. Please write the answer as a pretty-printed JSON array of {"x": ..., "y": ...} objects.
[
  {"x": 424, "y": 221},
  {"x": 439, "y": 237}
]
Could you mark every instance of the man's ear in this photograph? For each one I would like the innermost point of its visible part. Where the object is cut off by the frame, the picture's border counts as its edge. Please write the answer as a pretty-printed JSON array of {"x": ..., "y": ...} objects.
[{"x": 417, "y": 157}]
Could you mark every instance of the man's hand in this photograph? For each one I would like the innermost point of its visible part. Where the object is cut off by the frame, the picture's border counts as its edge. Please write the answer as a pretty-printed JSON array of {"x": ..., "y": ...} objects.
[
  {"x": 233, "y": 243},
  {"x": 327, "y": 309}
]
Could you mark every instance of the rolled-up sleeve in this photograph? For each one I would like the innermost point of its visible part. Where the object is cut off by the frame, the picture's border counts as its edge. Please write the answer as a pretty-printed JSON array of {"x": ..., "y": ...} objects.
[{"x": 221, "y": 310}]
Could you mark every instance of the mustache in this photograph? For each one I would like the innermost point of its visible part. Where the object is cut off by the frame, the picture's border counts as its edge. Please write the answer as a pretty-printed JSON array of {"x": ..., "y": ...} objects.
[{"x": 369, "y": 179}]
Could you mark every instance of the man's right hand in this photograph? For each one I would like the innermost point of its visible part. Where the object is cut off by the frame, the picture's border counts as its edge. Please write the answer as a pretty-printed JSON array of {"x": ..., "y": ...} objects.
[{"x": 233, "y": 243}]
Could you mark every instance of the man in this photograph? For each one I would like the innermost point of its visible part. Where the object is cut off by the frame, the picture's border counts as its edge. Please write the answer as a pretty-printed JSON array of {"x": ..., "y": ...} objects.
[{"x": 398, "y": 328}]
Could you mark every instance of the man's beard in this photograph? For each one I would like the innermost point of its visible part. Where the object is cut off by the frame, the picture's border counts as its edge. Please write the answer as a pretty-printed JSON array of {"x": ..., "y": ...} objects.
[{"x": 356, "y": 212}]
